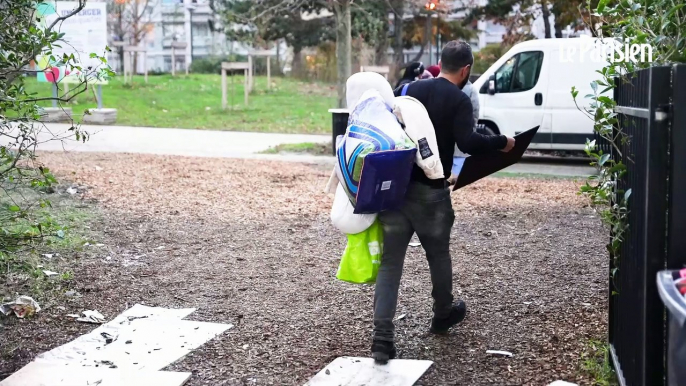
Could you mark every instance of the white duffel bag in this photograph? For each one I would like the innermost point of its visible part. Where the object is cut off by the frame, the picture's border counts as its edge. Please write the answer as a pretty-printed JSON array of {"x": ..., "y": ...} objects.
[
  {"x": 344, "y": 219},
  {"x": 412, "y": 113}
]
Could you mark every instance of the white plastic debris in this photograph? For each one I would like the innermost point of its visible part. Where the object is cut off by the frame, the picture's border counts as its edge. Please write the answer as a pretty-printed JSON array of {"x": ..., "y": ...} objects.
[
  {"x": 562, "y": 383},
  {"x": 90, "y": 316},
  {"x": 414, "y": 245},
  {"x": 50, "y": 273},
  {"x": 499, "y": 352},
  {"x": 72, "y": 191},
  {"x": 98, "y": 168},
  {"x": 23, "y": 306}
]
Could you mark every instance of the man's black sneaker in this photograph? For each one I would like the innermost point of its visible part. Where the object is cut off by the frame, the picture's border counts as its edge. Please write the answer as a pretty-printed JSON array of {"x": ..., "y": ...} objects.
[
  {"x": 382, "y": 351},
  {"x": 457, "y": 314}
]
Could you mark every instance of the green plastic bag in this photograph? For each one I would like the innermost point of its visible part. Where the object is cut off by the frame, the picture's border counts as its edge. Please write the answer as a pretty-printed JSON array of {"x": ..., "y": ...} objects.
[{"x": 362, "y": 256}]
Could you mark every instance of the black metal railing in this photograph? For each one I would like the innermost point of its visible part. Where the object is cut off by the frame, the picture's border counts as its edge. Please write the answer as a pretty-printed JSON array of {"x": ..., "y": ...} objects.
[{"x": 656, "y": 144}]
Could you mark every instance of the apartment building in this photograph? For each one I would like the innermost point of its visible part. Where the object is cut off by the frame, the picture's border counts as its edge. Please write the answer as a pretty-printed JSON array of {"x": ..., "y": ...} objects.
[
  {"x": 187, "y": 21},
  {"x": 195, "y": 23}
]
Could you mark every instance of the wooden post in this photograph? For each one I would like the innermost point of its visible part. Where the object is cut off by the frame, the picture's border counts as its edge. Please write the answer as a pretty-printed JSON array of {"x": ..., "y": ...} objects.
[
  {"x": 232, "y": 66},
  {"x": 173, "y": 61},
  {"x": 223, "y": 89},
  {"x": 145, "y": 65},
  {"x": 126, "y": 65},
  {"x": 131, "y": 69},
  {"x": 130, "y": 56},
  {"x": 123, "y": 64},
  {"x": 260, "y": 54},
  {"x": 247, "y": 74},
  {"x": 250, "y": 72},
  {"x": 269, "y": 73}
]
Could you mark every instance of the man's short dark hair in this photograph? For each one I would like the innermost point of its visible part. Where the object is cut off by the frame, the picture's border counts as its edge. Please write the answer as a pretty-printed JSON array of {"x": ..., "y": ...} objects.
[{"x": 455, "y": 56}]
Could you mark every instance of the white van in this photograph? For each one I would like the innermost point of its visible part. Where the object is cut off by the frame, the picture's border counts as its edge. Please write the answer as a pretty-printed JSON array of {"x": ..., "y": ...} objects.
[{"x": 531, "y": 86}]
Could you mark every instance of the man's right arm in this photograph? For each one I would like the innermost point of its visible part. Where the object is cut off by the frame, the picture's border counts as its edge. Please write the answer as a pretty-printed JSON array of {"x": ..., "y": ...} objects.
[{"x": 468, "y": 140}]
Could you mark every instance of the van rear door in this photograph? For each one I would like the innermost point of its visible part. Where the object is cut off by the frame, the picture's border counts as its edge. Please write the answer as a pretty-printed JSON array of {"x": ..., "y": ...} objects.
[{"x": 571, "y": 127}]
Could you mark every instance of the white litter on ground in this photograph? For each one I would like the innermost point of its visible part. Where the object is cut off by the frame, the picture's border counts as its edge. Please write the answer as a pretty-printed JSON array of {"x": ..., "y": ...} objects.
[
  {"x": 562, "y": 383},
  {"x": 91, "y": 316},
  {"x": 130, "y": 349},
  {"x": 23, "y": 306},
  {"x": 37, "y": 373},
  {"x": 351, "y": 371}
]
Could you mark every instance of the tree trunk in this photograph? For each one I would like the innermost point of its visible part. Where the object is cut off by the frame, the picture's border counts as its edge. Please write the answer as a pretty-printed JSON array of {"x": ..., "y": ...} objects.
[
  {"x": 381, "y": 49},
  {"x": 546, "y": 18},
  {"x": 558, "y": 31},
  {"x": 278, "y": 57},
  {"x": 398, "y": 57},
  {"x": 296, "y": 66},
  {"x": 120, "y": 33},
  {"x": 381, "y": 46},
  {"x": 427, "y": 39},
  {"x": 120, "y": 52},
  {"x": 343, "y": 47}
]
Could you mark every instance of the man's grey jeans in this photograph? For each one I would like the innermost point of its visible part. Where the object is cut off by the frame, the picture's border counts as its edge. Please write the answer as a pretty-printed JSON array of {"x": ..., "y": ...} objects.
[{"x": 429, "y": 213}]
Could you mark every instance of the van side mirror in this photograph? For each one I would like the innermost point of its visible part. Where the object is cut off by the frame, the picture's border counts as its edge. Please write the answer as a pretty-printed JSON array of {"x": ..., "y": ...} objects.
[{"x": 491, "y": 85}]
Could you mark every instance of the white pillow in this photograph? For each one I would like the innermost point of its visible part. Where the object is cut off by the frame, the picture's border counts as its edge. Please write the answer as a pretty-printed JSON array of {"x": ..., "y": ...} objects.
[
  {"x": 360, "y": 82},
  {"x": 419, "y": 128},
  {"x": 344, "y": 219}
]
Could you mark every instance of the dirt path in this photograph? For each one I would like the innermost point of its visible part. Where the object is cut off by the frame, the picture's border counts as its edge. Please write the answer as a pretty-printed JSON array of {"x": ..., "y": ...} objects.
[{"x": 250, "y": 243}]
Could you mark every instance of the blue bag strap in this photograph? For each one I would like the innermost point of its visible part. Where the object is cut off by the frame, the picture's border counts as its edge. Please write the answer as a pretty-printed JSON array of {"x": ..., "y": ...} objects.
[{"x": 404, "y": 90}]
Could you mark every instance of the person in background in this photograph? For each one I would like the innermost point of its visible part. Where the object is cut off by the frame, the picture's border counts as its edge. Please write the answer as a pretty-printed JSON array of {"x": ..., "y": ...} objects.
[
  {"x": 473, "y": 95},
  {"x": 426, "y": 75},
  {"x": 412, "y": 73},
  {"x": 427, "y": 210},
  {"x": 434, "y": 70}
]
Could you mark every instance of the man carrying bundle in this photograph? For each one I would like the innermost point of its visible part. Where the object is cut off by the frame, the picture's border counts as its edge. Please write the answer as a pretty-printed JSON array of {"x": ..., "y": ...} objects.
[{"x": 427, "y": 210}]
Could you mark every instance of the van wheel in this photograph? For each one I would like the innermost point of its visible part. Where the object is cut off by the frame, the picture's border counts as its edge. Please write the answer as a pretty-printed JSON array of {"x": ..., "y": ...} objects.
[{"x": 486, "y": 128}]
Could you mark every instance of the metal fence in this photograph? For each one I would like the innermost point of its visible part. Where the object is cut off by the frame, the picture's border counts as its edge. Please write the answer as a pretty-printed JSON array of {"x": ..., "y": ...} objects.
[{"x": 655, "y": 156}]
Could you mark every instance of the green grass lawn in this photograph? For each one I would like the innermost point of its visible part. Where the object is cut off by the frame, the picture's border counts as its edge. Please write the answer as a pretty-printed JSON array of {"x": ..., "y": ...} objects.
[
  {"x": 301, "y": 148},
  {"x": 194, "y": 102}
]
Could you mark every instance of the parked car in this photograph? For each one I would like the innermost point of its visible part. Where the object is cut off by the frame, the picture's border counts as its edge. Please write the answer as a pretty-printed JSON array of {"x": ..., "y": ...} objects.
[{"x": 531, "y": 86}]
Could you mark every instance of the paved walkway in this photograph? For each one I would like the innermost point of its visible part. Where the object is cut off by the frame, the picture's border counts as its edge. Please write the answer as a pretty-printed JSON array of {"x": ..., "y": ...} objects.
[
  {"x": 228, "y": 144},
  {"x": 194, "y": 143}
]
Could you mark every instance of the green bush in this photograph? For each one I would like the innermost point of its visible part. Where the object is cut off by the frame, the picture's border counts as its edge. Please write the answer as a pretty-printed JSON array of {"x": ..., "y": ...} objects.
[
  {"x": 24, "y": 209},
  {"x": 213, "y": 64},
  {"x": 487, "y": 56}
]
